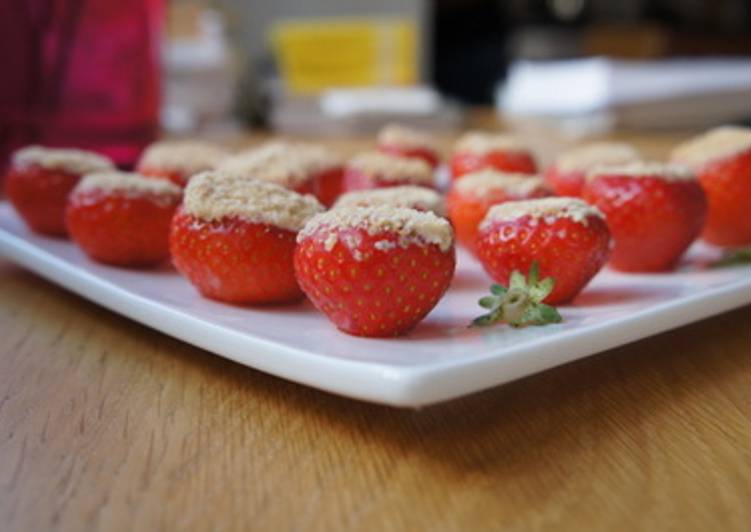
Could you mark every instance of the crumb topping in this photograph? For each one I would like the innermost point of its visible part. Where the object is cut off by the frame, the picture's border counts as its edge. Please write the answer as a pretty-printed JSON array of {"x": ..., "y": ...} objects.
[
  {"x": 598, "y": 153},
  {"x": 410, "y": 226},
  {"x": 69, "y": 160},
  {"x": 214, "y": 195},
  {"x": 715, "y": 144},
  {"x": 391, "y": 168},
  {"x": 188, "y": 157},
  {"x": 127, "y": 182},
  {"x": 407, "y": 196},
  {"x": 484, "y": 182},
  {"x": 481, "y": 142},
  {"x": 546, "y": 209},
  {"x": 644, "y": 169},
  {"x": 287, "y": 164},
  {"x": 396, "y": 135}
]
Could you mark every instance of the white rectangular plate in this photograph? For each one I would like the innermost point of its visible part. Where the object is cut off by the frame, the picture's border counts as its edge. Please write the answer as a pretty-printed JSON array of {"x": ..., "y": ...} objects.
[{"x": 441, "y": 359}]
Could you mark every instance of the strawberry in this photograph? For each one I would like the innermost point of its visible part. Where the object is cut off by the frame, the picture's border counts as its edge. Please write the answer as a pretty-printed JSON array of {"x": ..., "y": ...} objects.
[
  {"x": 472, "y": 195},
  {"x": 405, "y": 142},
  {"x": 375, "y": 271},
  {"x": 377, "y": 170},
  {"x": 234, "y": 238},
  {"x": 40, "y": 179},
  {"x": 178, "y": 161},
  {"x": 567, "y": 174},
  {"x": 654, "y": 212},
  {"x": 122, "y": 219},
  {"x": 304, "y": 168},
  {"x": 722, "y": 160},
  {"x": 410, "y": 197},
  {"x": 568, "y": 238},
  {"x": 477, "y": 151}
]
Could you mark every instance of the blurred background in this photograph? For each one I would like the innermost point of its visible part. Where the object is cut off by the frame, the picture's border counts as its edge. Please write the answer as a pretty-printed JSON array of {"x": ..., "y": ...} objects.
[{"x": 112, "y": 75}]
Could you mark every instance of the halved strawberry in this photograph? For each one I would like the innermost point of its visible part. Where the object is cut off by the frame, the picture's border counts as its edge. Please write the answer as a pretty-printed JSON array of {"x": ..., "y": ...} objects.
[
  {"x": 121, "y": 218},
  {"x": 378, "y": 170},
  {"x": 375, "y": 271},
  {"x": 472, "y": 195},
  {"x": 304, "y": 168},
  {"x": 568, "y": 173},
  {"x": 567, "y": 237},
  {"x": 234, "y": 238},
  {"x": 179, "y": 160},
  {"x": 40, "y": 179},
  {"x": 398, "y": 140},
  {"x": 406, "y": 196},
  {"x": 722, "y": 161},
  {"x": 654, "y": 212},
  {"x": 478, "y": 150}
]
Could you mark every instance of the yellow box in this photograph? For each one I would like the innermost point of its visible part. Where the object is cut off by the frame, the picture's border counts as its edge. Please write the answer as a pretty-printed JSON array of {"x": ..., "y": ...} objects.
[{"x": 318, "y": 54}]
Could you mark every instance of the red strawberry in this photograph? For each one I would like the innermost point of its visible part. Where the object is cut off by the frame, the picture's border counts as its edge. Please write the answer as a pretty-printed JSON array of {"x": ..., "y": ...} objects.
[
  {"x": 654, "y": 212},
  {"x": 234, "y": 238},
  {"x": 568, "y": 238},
  {"x": 40, "y": 179},
  {"x": 477, "y": 151},
  {"x": 405, "y": 142},
  {"x": 304, "y": 168},
  {"x": 722, "y": 161},
  {"x": 409, "y": 197},
  {"x": 121, "y": 218},
  {"x": 472, "y": 195},
  {"x": 377, "y": 170},
  {"x": 179, "y": 160},
  {"x": 375, "y": 271},
  {"x": 567, "y": 174}
]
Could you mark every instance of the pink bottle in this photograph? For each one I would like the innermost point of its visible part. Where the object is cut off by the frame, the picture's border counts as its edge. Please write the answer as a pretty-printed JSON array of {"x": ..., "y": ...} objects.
[{"x": 80, "y": 73}]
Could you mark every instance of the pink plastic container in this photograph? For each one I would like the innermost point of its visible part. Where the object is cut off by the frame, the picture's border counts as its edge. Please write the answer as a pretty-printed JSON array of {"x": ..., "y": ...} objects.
[{"x": 80, "y": 73}]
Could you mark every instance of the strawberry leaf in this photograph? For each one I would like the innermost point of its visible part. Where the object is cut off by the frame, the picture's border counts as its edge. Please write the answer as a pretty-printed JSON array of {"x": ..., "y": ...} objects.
[
  {"x": 521, "y": 303},
  {"x": 737, "y": 256}
]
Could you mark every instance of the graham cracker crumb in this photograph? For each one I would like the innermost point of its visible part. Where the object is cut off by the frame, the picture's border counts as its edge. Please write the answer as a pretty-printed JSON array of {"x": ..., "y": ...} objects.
[
  {"x": 642, "y": 169},
  {"x": 391, "y": 168},
  {"x": 582, "y": 158},
  {"x": 128, "y": 183},
  {"x": 407, "y": 196},
  {"x": 481, "y": 143},
  {"x": 188, "y": 157},
  {"x": 484, "y": 182},
  {"x": 404, "y": 137},
  {"x": 68, "y": 160},
  {"x": 545, "y": 209},
  {"x": 410, "y": 226},
  {"x": 215, "y": 195},
  {"x": 716, "y": 144},
  {"x": 287, "y": 164}
]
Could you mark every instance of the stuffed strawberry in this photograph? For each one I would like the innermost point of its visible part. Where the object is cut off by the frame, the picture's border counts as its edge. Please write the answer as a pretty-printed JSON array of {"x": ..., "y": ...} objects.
[
  {"x": 375, "y": 271},
  {"x": 567, "y": 174},
  {"x": 304, "y": 168},
  {"x": 407, "y": 196},
  {"x": 478, "y": 150},
  {"x": 654, "y": 212},
  {"x": 377, "y": 170},
  {"x": 722, "y": 160},
  {"x": 472, "y": 195},
  {"x": 121, "y": 218},
  {"x": 179, "y": 160},
  {"x": 405, "y": 142},
  {"x": 234, "y": 238},
  {"x": 566, "y": 237},
  {"x": 40, "y": 179}
]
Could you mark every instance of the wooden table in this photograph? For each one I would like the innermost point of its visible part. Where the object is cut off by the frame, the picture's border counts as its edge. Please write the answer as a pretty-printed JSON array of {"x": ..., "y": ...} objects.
[{"x": 107, "y": 425}]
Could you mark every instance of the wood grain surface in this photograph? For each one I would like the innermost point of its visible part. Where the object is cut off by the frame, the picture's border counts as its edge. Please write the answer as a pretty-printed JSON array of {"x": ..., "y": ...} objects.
[{"x": 107, "y": 425}]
